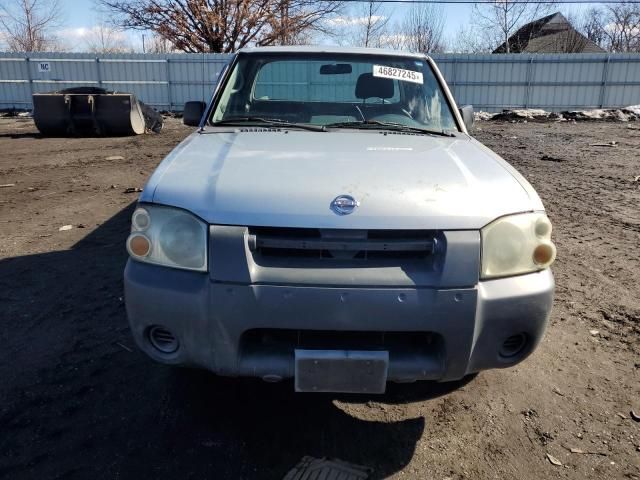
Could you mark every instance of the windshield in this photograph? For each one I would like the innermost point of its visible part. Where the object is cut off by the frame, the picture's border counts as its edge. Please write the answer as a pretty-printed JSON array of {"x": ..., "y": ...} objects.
[{"x": 334, "y": 90}]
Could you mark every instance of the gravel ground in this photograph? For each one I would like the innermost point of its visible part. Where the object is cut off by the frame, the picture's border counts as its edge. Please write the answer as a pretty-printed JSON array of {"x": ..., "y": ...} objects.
[{"x": 78, "y": 400}]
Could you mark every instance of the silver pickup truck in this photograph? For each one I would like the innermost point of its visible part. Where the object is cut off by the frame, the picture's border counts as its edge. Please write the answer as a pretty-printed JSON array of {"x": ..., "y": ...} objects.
[{"x": 332, "y": 221}]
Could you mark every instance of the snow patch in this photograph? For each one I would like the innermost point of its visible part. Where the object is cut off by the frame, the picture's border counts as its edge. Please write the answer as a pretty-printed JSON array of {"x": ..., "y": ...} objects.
[{"x": 626, "y": 114}]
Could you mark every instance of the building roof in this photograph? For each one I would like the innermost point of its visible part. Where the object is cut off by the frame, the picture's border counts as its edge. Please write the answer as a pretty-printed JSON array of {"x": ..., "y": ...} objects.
[{"x": 550, "y": 34}]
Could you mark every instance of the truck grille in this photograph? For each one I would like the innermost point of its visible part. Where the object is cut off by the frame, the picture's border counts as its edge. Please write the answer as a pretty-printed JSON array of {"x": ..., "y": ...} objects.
[
  {"x": 341, "y": 245},
  {"x": 336, "y": 258}
]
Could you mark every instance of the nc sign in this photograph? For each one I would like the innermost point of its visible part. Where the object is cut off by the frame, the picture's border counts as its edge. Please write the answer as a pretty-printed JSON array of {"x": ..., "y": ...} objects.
[{"x": 44, "y": 67}]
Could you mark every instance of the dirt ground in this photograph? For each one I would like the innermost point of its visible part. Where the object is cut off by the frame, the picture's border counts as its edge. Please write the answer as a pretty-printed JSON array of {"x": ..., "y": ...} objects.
[{"x": 78, "y": 400}]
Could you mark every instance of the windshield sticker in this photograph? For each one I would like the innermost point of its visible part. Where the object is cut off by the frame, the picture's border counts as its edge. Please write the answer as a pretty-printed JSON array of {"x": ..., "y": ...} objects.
[{"x": 397, "y": 74}]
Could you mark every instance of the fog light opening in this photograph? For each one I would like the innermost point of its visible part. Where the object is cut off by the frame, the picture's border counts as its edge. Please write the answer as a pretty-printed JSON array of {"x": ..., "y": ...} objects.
[
  {"x": 163, "y": 340},
  {"x": 513, "y": 345}
]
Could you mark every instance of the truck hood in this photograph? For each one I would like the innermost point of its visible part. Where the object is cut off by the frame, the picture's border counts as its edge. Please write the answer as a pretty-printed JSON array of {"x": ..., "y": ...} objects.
[{"x": 290, "y": 178}]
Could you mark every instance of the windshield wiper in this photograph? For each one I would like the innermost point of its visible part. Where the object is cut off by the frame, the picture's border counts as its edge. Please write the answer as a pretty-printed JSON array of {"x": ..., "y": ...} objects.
[
  {"x": 376, "y": 124},
  {"x": 274, "y": 122}
]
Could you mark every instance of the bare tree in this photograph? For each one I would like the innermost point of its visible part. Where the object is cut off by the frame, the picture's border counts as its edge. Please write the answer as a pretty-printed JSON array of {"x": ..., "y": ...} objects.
[
  {"x": 622, "y": 30},
  {"x": 471, "y": 39},
  {"x": 366, "y": 25},
  {"x": 157, "y": 44},
  {"x": 422, "y": 29},
  {"x": 28, "y": 25},
  {"x": 500, "y": 19},
  {"x": 615, "y": 27},
  {"x": 394, "y": 39},
  {"x": 373, "y": 24},
  {"x": 591, "y": 24},
  {"x": 223, "y": 25},
  {"x": 104, "y": 39}
]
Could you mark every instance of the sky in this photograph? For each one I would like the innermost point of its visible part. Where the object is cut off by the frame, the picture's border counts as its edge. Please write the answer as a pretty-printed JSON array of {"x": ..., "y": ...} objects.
[{"x": 80, "y": 16}]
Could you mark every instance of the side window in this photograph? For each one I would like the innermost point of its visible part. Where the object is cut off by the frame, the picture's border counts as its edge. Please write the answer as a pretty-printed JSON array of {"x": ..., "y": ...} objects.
[{"x": 236, "y": 81}]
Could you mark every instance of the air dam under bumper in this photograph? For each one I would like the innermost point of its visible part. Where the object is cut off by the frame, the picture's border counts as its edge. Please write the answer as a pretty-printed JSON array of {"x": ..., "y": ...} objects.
[{"x": 252, "y": 330}]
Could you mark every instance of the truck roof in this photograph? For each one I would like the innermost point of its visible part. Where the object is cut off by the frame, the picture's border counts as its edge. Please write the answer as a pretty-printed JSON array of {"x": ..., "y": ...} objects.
[{"x": 331, "y": 49}]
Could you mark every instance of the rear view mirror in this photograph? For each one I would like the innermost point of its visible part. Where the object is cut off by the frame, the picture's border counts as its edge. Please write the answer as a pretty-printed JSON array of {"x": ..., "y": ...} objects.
[
  {"x": 192, "y": 113},
  {"x": 335, "y": 69},
  {"x": 466, "y": 112}
]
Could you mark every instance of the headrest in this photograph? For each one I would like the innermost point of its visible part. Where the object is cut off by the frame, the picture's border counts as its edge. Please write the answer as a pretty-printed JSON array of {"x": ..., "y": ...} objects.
[{"x": 369, "y": 86}]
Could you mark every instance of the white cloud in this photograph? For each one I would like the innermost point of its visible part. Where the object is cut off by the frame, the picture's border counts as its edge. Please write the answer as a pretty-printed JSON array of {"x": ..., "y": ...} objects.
[
  {"x": 618, "y": 27},
  {"x": 348, "y": 21},
  {"x": 95, "y": 38},
  {"x": 90, "y": 33}
]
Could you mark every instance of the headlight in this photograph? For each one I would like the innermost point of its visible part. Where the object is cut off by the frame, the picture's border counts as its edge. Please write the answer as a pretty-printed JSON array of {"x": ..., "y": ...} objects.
[
  {"x": 168, "y": 236},
  {"x": 517, "y": 244}
]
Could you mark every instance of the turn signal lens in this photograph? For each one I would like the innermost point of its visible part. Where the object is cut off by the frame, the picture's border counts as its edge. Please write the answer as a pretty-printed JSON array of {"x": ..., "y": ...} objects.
[
  {"x": 544, "y": 254},
  {"x": 139, "y": 245}
]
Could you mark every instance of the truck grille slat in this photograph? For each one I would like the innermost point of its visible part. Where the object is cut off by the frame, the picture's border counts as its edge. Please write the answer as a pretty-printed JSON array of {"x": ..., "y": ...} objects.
[
  {"x": 370, "y": 245},
  {"x": 342, "y": 244}
]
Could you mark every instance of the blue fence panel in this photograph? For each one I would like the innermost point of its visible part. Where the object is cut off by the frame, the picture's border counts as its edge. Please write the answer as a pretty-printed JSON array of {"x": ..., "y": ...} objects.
[{"x": 489, "y": 82}]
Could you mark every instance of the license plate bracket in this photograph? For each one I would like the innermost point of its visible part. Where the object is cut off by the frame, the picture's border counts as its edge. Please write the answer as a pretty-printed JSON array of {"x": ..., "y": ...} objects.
[{"x": 343, "y": 371}]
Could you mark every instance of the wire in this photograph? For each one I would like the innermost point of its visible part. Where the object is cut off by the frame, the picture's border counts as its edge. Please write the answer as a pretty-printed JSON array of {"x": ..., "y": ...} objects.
[{"x": 490, "y": 2}]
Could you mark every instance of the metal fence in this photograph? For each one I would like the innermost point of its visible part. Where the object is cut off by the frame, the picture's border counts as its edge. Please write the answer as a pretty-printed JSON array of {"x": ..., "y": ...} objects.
[
  {"x": 552, "y": 82},
  {"x": 489, "y": 82},
  {"x": 165, "y": 81}
]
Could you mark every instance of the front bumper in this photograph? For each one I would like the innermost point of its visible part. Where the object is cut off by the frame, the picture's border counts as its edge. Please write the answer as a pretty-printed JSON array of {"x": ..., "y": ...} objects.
[{"x": 213, "y": 321}]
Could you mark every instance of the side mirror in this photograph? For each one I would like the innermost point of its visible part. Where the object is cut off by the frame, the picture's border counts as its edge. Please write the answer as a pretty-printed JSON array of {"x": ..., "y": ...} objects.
[
  {"x": 192, "y": 113},
  {"x": 466, "y": 112}
]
